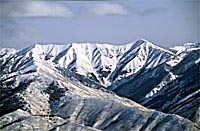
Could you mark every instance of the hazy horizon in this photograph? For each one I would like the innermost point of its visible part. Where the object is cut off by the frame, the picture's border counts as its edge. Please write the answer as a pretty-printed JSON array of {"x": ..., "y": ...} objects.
[{"x": 163, "y": 22}]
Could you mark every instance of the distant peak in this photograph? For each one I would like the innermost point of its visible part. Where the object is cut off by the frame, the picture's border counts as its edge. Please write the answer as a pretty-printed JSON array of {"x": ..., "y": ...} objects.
[{"x": 145, "y": 40}]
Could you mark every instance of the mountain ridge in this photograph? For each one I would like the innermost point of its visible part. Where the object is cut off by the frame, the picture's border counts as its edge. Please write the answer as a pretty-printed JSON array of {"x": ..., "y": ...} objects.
[
  {"x": 96, "y": 57},
  {"x": 37, "y": 81}
]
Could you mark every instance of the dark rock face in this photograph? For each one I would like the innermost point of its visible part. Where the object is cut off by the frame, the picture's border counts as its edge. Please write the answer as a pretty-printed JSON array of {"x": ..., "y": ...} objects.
[{"x": 177, "y": 96}]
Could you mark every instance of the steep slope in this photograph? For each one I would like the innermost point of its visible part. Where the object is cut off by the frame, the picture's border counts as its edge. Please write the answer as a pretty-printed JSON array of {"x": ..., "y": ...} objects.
[
  {"x": 140, "y": 58},
  {"x": 36, "y": 96},
  {"x": 102, "y": 62},
  {"x": 172, "y": 87},
  {"x": 179, "y": 90},
  {"x": 93, "y": 60}
]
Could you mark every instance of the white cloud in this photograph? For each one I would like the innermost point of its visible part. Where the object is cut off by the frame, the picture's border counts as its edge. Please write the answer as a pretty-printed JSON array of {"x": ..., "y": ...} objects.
[
  {"x": 109, "y": 9},
  {"x": 34, "y": 9}
]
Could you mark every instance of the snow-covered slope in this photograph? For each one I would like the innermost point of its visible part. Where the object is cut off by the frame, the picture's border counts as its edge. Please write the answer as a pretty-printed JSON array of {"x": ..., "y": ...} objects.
[
  {"x": 143, "y": 56},
  {"x": 84, "y": 58},
  {"x": 72, "y": 87},
  {"x": 172, "y": 87},
  {"x": 35, "y": 95},
  {"x": 186, "y": 47},
  {"x": 102, "y": 62},
  {"x": 179, "y": 90}
]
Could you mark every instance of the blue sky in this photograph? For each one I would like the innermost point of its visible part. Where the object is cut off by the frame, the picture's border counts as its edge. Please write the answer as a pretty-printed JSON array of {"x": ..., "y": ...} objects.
[{"x": 164, "y": 22}]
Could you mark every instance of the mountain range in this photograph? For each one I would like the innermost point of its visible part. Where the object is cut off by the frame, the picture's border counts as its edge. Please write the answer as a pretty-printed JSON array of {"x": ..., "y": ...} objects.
[{"x": 139, "y": 86}]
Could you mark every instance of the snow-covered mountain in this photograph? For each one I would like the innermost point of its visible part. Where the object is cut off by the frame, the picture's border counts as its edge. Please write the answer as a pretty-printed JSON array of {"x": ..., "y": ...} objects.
[
  {"x": 72, "y": 87},
  {"x": 102, "y": 62}
]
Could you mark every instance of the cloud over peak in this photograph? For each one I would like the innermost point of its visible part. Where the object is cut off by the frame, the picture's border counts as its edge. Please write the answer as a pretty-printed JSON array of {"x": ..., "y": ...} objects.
[{"x": 109, "y": 9}]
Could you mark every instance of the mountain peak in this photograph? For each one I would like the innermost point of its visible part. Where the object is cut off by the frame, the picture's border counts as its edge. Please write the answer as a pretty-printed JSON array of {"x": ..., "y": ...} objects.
[{"x": 145, "y": 40}]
